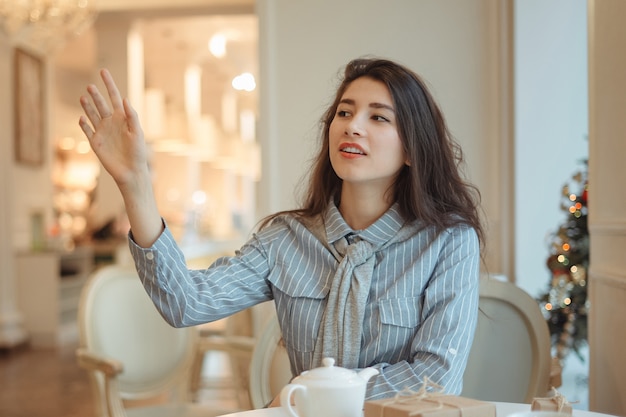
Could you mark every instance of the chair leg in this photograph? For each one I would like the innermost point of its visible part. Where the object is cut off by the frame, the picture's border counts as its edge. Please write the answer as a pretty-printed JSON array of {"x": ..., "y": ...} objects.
[{"x": 196, "y": 373}]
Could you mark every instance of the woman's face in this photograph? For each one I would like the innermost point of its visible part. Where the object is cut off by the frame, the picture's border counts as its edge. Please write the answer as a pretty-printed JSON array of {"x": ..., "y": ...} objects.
[{"x": 364, "y": 145}]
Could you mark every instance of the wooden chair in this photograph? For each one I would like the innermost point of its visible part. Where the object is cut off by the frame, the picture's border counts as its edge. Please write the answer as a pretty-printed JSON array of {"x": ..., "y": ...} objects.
[
  {"x": 233, "y": 338},
  {"x": 270, "y": 369},
  {"x": 510, "y": 360},
  {"x": 138, "y": 364}
]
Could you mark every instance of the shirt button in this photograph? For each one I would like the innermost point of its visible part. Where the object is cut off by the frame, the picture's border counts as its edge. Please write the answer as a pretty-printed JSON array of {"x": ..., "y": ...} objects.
[{"x": 150, "y": 256}]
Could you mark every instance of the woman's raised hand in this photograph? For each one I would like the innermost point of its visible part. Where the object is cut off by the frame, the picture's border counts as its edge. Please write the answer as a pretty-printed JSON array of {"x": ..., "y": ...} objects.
[
  {"x": 116, "y": 137},
  {"x": 114, "y": 133}
]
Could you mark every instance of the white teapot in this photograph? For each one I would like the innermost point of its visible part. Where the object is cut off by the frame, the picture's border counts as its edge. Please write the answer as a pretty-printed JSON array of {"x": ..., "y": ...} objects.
[{"x": 327, "y": 391}]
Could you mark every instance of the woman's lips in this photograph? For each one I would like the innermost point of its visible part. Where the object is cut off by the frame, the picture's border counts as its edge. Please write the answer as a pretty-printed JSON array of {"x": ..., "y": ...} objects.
[{"x": 351, "y": 150}]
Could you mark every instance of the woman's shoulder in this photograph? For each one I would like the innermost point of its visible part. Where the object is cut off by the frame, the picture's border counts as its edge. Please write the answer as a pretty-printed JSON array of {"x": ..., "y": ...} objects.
[
  {"x": 457, "y": 229},
  {"x": 462, "y": 234},
  {"x": 281, "y": 224}
]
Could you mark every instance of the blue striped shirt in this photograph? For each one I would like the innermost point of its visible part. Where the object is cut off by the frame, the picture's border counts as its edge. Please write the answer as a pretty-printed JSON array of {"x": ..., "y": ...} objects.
[{"x": 423, "y": 301}]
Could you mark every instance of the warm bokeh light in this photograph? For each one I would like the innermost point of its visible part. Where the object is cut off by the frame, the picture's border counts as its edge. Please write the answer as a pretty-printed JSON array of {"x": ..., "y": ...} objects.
[
  {"x": 83, "y": 147},
  {"x": 67, "y": 143},
  {"x": 244, "y": 82},
  {"x": 217, "y": 45},
  {"x": 199, "y": 198}
]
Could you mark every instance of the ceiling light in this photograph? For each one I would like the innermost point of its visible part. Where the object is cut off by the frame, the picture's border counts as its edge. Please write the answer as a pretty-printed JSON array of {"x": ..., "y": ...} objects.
[
  {"x": 217, "y": 45},
  {"x": 244, "y": 82},
  {"x": 46, "y": 23}
]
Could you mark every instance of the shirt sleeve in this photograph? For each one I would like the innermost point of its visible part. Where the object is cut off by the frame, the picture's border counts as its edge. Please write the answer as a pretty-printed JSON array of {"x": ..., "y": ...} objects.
[
  {"x": 187, "y": 297},
  {"x": 448, "y": 319}
]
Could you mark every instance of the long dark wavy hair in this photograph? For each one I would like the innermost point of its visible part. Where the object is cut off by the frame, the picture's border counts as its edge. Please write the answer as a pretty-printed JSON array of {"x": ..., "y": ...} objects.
[{"x": 431, "y": 188}]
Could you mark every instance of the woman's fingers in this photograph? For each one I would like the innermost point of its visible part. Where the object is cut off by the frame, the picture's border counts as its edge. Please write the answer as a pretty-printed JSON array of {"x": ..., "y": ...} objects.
[
  {"x": 98, "y": 107},
  {"x": 114, "y": 93},
  {"x": 102, "y": 109},
  {"x": 101, "y": 104},
  {"x": 90, "y": 111},
  {"x": 85, "y": 127},
  {"x": 131, "y": 117}
]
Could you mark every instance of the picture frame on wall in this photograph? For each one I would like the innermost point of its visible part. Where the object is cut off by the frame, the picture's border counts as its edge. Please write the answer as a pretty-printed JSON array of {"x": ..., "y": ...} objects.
[{"x": 29, "y": 108}]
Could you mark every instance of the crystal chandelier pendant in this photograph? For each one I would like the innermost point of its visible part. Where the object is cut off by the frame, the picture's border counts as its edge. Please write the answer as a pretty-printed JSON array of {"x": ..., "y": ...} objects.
[{"x": 46, "y": 24}]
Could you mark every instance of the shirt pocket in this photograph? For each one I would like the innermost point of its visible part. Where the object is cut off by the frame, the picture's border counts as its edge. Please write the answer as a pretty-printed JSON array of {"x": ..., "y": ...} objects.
[
  {"x": 305, "y": 317},
  {"x": 400, "y": 319},
  {"x": 401, "y": 312},
  {"x": 301, "y": 307}
]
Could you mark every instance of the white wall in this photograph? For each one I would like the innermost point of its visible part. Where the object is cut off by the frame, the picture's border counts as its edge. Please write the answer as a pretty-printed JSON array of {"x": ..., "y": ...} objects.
[
  {"x": 453, "y": 44},
  {"x": 551, "y": 125}
]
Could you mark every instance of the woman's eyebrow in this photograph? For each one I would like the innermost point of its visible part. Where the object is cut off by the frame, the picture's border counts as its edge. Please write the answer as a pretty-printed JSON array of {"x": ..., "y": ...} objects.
[
  {"x": 382, "y": 106},
  {"x": 374, "y": 105},
  {"x": 347, "y": 101}
]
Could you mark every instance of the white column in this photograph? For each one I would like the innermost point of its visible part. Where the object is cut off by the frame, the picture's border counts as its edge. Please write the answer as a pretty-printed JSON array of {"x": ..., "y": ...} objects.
[
  {"x": 193, "y": 100},
  {"x": 11, "y": 329},
  {"x": 11, "y": 324},
  {"x": 607, "y": 217}
]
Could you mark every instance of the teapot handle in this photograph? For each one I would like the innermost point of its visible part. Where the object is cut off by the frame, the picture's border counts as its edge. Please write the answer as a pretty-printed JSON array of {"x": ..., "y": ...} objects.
[{"x": 285, "y": 398}]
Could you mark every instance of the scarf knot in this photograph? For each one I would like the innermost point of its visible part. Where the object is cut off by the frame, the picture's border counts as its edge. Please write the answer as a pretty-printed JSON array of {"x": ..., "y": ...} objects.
[{"x": 355, "y": 250}]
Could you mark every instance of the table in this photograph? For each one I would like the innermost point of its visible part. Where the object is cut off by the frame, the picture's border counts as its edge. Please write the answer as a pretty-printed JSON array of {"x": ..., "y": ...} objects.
[{"x": 502, "y": 410}]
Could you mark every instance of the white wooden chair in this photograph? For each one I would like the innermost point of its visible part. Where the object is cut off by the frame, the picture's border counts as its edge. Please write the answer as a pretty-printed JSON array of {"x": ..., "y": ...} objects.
[
  {"x": 232, "y": 337},
  {"x": 510, "y": 360},
  {"x": 270, "y": 370},
  {"x": 138, "y": 364}
]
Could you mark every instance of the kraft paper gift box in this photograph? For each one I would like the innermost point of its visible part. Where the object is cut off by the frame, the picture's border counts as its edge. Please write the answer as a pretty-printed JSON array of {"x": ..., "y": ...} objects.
[
  {"x": 429, "y": 405},
  {"x": 558, "y": 402}
]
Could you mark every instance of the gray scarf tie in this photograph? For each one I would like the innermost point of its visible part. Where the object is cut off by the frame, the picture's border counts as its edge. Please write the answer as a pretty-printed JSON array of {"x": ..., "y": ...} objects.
[
  {"x": 341, "y": 330},
  {"x": 339, "y": 336}
]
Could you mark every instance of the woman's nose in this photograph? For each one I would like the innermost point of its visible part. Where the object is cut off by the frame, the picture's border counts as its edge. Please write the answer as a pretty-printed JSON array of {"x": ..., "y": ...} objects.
[{"x": 353, "y": 127}]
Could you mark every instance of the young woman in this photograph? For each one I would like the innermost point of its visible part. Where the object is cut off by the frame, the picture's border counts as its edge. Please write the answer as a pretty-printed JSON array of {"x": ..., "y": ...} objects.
[{"x": 380, "y": 265}]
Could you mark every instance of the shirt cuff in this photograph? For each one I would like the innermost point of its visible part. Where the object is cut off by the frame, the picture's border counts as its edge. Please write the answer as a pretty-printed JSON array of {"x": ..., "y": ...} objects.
[{"x": 146, "y": 256}]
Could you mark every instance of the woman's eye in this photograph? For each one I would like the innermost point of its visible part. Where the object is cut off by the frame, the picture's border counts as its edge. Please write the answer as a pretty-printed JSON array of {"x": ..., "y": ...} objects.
[
  {"x": 342, "y": 113},
  {"x": 379, "y": 118}
]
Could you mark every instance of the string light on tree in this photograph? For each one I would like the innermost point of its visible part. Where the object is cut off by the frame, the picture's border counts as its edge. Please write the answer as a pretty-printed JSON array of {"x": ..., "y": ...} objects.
[{"x": 565, "y": 305}]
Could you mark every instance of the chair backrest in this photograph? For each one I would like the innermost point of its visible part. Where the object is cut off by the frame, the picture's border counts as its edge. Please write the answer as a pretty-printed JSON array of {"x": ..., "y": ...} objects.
[
  {"x": 270, "y": 369},
  {"x": 510, "y": 358},
  {"x": 118, "y": 320}
]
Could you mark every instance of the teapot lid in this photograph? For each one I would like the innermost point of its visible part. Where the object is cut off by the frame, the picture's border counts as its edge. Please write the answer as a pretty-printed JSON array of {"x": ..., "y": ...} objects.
[{"x": 329, "y": 374}]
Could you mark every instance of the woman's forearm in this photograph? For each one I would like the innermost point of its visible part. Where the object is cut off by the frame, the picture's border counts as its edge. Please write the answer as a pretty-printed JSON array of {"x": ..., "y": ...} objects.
[{"x": 145, "y": 220}]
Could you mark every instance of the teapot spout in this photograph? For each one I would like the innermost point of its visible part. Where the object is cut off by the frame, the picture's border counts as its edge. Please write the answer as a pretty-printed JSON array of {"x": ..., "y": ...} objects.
[{"x": 367, "y": 373}]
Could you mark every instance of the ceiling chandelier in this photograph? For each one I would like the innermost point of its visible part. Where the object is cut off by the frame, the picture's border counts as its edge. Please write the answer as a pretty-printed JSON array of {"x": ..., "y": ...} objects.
[{"x": 45, "y": 23}]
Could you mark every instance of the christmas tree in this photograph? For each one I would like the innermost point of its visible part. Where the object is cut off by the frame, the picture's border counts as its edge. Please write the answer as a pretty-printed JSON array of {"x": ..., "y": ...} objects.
[{"x": 565, "y": 304}]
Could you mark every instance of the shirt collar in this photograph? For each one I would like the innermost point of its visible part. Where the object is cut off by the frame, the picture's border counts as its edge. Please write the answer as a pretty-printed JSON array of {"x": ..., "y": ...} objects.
[{"x": 383, "y": 229}]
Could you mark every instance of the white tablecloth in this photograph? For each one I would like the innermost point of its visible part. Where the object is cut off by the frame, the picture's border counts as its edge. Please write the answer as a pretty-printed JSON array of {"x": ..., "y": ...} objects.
[{"x": 502, "y": 410}]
